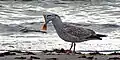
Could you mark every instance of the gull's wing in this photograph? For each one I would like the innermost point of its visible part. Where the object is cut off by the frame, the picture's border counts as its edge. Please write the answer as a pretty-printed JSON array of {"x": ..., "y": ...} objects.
[{"x": 79, "y": 32}]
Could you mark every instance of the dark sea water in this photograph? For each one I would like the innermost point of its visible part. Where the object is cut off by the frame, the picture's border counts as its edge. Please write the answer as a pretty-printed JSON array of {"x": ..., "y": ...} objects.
[{"x": 101, "y": 16}]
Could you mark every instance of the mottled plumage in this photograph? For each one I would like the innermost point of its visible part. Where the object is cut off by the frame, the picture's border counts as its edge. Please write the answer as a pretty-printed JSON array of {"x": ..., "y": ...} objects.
[{"x": 79, "y": 32}]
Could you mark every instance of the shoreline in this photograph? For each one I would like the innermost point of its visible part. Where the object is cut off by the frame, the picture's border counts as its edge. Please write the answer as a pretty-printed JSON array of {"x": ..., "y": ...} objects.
[{"x": 41, "y": 55}]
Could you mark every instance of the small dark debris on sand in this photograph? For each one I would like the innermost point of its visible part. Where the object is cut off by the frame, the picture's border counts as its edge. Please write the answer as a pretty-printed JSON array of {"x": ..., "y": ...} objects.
[
  {"x": 29, "y": 53},
  {"x": 82, "y": 56},
  {"x": 114, "y": 58},
  {"x": 57, "y": 51},
  {"x": 7, "y": 53},
  {"x": 16, "y": 51},
  {"x": 115, "y": 53},
  {"x": 24, "y": 53},
  {"x": 51, "y": 59},
  {"x": 91, "y": 57},
  {"x": 95, "y": 53},
  {"x": 34, "y": 57},
  {"x": 45, "y": 51},
  {"x": 20, "y": 58}
]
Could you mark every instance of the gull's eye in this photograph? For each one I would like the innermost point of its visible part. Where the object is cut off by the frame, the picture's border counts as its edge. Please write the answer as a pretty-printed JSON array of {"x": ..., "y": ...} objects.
[{"x": 48, "y": 15}]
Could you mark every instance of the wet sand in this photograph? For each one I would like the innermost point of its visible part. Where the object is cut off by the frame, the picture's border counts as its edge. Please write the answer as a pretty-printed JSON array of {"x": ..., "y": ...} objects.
[{"x": 39, "y": 55}]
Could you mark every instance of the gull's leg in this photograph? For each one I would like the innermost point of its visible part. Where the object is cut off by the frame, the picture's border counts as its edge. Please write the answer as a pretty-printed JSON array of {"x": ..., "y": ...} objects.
[
  {"x": 71, "y": 46},
  {"x": 74, "y": 48}
]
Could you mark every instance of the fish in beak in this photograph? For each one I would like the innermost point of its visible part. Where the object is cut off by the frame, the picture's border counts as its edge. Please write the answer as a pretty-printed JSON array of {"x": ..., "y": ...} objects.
[
  {"x": 47, "y": 18},
  {"x": 44, "y": 26}
]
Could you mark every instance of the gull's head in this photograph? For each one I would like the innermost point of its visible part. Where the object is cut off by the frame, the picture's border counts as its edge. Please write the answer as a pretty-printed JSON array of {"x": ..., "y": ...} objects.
[{"x": 47, "y": 18}]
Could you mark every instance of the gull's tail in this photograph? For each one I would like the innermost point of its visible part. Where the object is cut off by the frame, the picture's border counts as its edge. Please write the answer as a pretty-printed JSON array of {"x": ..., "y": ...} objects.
[
  {"x": 100, "y": 35},
  {"x": 97, "y": 36}
]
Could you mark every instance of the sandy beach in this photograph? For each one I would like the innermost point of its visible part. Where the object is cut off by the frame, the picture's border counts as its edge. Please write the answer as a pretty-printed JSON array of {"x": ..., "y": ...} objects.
[{"x": 40, "y": 55}]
